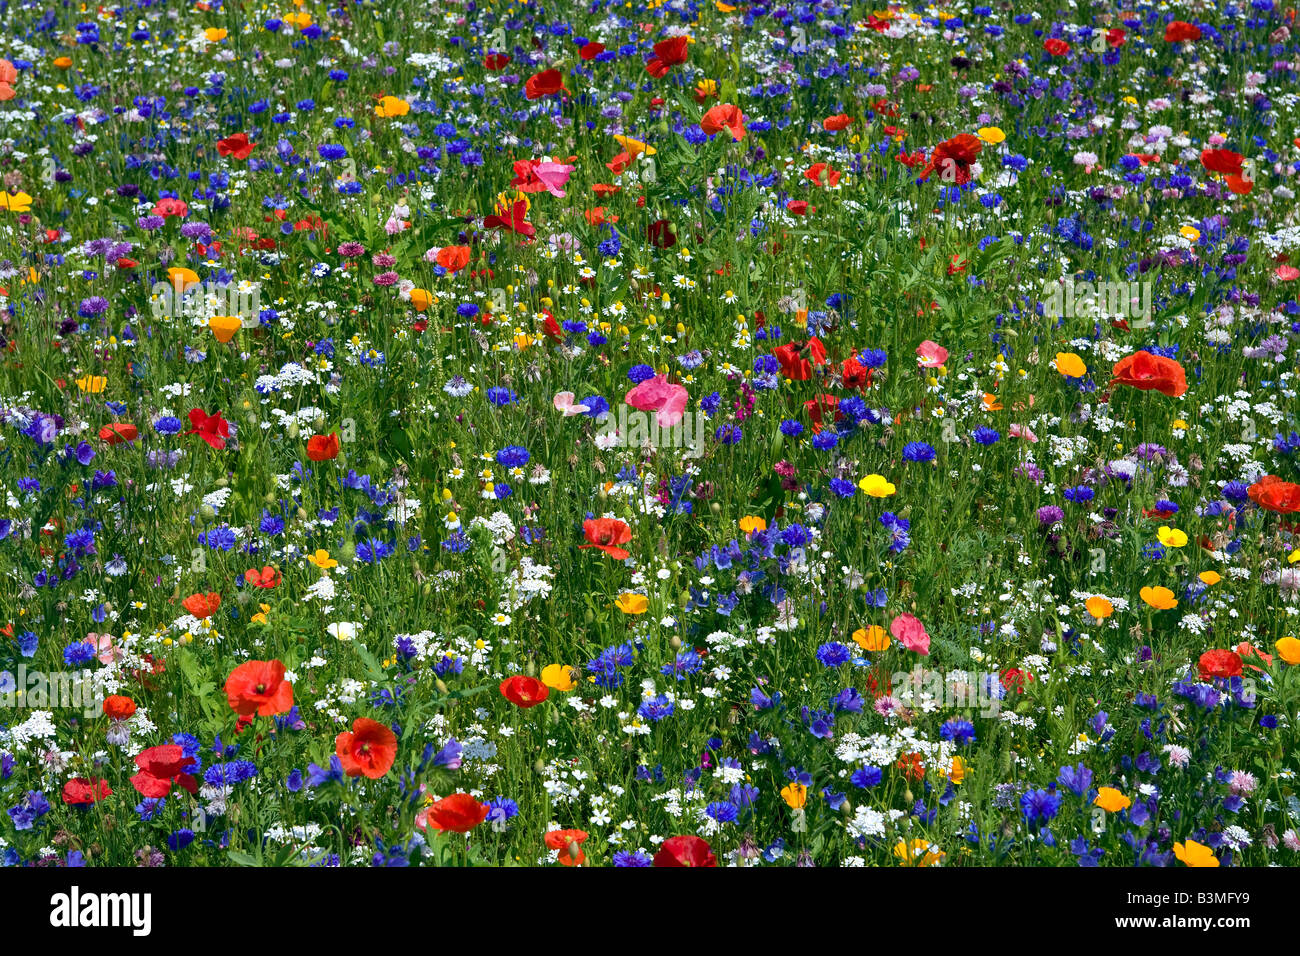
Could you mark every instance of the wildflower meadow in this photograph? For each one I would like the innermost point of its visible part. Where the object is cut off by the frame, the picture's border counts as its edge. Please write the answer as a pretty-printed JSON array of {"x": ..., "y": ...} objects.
[{"x": 660, "y": 433}]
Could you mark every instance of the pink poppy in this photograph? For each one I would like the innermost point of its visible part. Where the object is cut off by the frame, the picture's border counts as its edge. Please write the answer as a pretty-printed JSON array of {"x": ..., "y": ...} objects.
[
  {"x": 667, "y": 401},
  {"x": 910, "y": 632},
  {"x": 932, "y": 354},
  {"x": 1287, "y": 273},
  {"x": 564, "y": 403},
  {"x": 533, "y": 176},
  {"x": 104, "y": 649},
  {"x": 1023, "y": 431}
]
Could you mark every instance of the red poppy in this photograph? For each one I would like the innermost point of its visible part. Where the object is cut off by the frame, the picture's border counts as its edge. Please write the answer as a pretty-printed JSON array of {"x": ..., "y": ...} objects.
[
  {"x": 237, "y": 146},
  {"x": 661, "y": 234},
  {"x": 118, "y": 432},
  {"x": 213, "y": 429},
  {"x": 453, "y": 258},
  {"x": 1013, "y": 678},
  {"x": 837, "y": 122},
  {"x": 524, "y": 691},
  {"x": 1219, "y": 664},
  {"x": 1177, "y": 31},
  {"x": 794, "y": 356},
  {"x": 1273, "y": 494},
  {"x": 568, "y": 842},
  {"x": 171, "y": 207},
  {"x": 259, "y": 687},
  {"x": 83, "y": 791},
  {"x": 496, "y": 61},
  {"x": 589, "y": 51},
  {"x": 1225, "y": 162},
  {"x": 953, "y": 158},
  {"x": 458, "y": 813},
  {"x": 323, "y": 447},
  {"x": 854, "y": 374},
  {"x": 1116, "y": 37},
  {"x": 1056, "y": 47},
  {"x": 267, "y": 578},
  {"x": 202, "y": 605},
  {"x": 820, "y": 408},
  {"x": 1145, "y": 371},
  {"x": 517, "y": 221},
  {"x": 546, "y": 83},
  {"x": 814, "y": 174},
  {"x": 798, "y": 207},
  {"x": 607, "y": 534},
  {"x": 724, "y": 116},
  {"x": 667, "y": 54},
  {"x": 368, "y": 749},
  {"x": 118, "y": 707},
  {"x": 160, "y": 767},
  {"x": 685, "y": 851}
]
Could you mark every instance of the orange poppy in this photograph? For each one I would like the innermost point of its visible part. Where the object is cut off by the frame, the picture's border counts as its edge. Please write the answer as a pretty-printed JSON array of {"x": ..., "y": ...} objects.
[
  {"x": 607, "y": 534},
  {"x": 202, "y": 605},
  {"x": 259, "y": 687},
  {"x": 368, "y": 749}
]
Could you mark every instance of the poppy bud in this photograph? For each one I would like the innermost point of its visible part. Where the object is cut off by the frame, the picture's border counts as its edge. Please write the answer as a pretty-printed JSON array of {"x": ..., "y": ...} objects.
[
  {"x": 589, "y": 617},
  {"x": 426, "y": 590},
  {"x": 540, "y": 766},
  {"x": 715, "y": 508},
  {"x": 223, "y": 482},
  {"x": 367, "y": 610},
  {"x": 574, "y": 851},
  {"x": 676, "y": 642},
  {"x": 907, "y": 796},
  {"x": 269, "y": 498},
  {"x": 208, "y": 511},
  {"x": 531, "y": 668},
  {"x": 441, "y": 685},
  {"x": 292, "y": 430}
]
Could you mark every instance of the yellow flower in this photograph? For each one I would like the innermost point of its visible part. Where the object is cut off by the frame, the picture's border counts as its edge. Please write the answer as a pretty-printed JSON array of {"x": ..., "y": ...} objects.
[
  {"x": 1162, "y": 599},
  {"x": 92, "y": 383},
  {"x": 991, "y": 135},
  {"x": 920, "y": 852},
  {"x": 391, "y": 106},
  {"x": 1190, "y": 233},
  {"x": 632, "y": 603},
  {"x": 1179, "y": 425},
  {"x": 751, "y": 523},
  {"x": 1070, "y": 365},
  {"x": 795, "y": 795},
  {"x": 1111, "y": 800},
  {"x": 1288, "y": 648},
  {"x": 876, "y": 486},
  {"x": 1210, "y": 578},
  {"x": 322, "y": 560},
  {"x": 1171, "y": 537},
  {"x": 558, "y": 677},
  {"x": 957, "y": 773},
  {"x": 17, "y": 202},
  {"x": 215, "y": 34},
  {"x": 181, "y": 278},
  {"x": 871, "y": 638},
  {"x": 1194, "y": 854},
  {"x": 420, "y": 298},
  {"x": 634, "y": 147},
  {"x": 1099, "y": 607},
  {"x": 224, "y": 327},
  {"x": 260, "y": 617},
  {"x": 1293, "y": 557}
]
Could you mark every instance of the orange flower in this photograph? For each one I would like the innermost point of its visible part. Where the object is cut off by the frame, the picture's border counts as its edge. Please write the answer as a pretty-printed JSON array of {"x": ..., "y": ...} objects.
[
  {"x": 453, "y": 258},
  {"x": 118, "y": 707},
  {"x": 267, "y": 578},
  {"x": 323, "y": 447},
  {"x": 607, "y": 534},
  {"x": 458, "y": 813},
  {"x": 1145, "y": 371},
  {"x": 724, "y": 116},
  {"x": 568, "y": 842},
  {"x": 202, "y": 605},
  {"x": 259, "y": 687},
  {"x": 368, "y": 749}
]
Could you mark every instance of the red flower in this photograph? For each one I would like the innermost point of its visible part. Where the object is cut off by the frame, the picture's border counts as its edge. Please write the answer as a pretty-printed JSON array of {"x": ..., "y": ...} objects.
[
  {"x": 607, "y": 534},
  {"x": 118, "y": 707},
  {"x": 524, "y": 691},
  {"x": 685, "y": 851},
  {"x": 546, "y": 83},
  {"x": 668, "y": 53},
  {"x": 516, "y": 223},
  {"x": 839, "y": 121},
  {"x": 1273, "y": 494},
  {"x": 118, "y": 432},
  {"x": 171, "y": 207},
  {"x": 814, "y": 174},
  {"x": 259, "y": 687},
  {"x": 368, "y": 749},
  {"x": 160, "y": 767},
  {"x": 1176, "y": 31},
  {"x": 267, "y": 578},
  {"x": 724, "y": 116},
  {"x": 818, "y": 408},
  {"x": 458, "y": 813},
  {"x": 1226, "y": 162},
  {"x": 83, "y": 791},
  {"x": 1056, "y": 47},
  {"x": 323, "y": 447},
  {"x": 567, "y": 841},
  {"x": 213, "y": 429},
  {"x": 496, "y": 61},
  {"x": 854, "y": 374},
  {"x": 202, "y": 605},
  {"x": 237, "y": 146},
  {"x": 1145, "y": 371},
  {"x": 589, "y": 51},
  {"x": 794, "y": 364},
  {"x": 1219, "y": 664},
  {"x": 798, "y": 207},
  {"x": 660, "y": 234},
  {"x": 953, "y": 158},
  {"x": 1116, "y": 37}
]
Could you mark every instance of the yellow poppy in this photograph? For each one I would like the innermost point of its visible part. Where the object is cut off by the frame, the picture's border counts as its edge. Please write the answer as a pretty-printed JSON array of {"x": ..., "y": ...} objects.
[
  {"x": 1070, "y": 365},
  {"x": 1288, "y": 648},
  {"x": 92, "y": 383},
  {"x": 919, "y": 852},
  {"x": 1099, "y": 607},
  {"x": 876, "y": 486},
  {"x": 421, "y": 298},
  {"x": 1162, "y": 599},
  {"x": 632, "y": 603},
  {"x": 391, "y": 106},
  {"x": 1171, "y": 537},
  {"x": 224, "y": 327},
  {"x": 559, "y": 677},
  {"x": 1111, "y": 800},
  {"x": 215, "y": 34},
  {"x": 322, "y": 560},
  {"x": 1194, "y": 854},
  {"x": 16, "y": 202},
  {"x": 991, "y": 135},
  {"x": 634, "y": 147},
  {"x": 751, "y": 523},
  {"x": 795, "y": 795},
  {"x": 871, "y": 638},
  {"x": 1210, "y": 577},
  {"x": 182, "y": 278}
]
